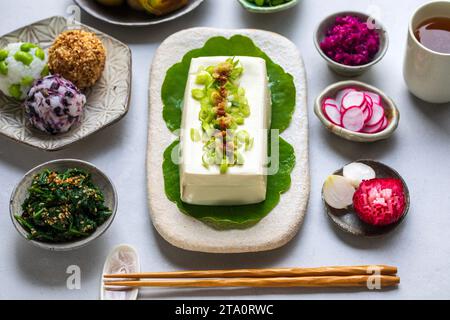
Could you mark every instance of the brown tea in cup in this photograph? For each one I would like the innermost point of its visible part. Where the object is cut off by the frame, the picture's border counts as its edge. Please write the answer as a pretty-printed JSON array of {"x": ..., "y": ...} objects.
[{"x": 434, "y": 34}]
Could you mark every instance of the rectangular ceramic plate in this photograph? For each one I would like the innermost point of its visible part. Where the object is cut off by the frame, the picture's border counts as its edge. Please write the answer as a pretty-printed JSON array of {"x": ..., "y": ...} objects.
[
  {"x": 107, "y": 100},
  {"x": 185, "y": 232}
]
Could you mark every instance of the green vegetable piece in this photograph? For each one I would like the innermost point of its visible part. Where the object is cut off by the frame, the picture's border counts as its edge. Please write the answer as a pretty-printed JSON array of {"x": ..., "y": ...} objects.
[
  {"x": 195, "y": 135},
  {"x": 40, "y": 54},
  {"x": 198, "y": 94},
  {"x": 239, "y": 120},
  {"x": 3, "y": 54},
  {"x": 15, "y": 91},
  {"x": 24, "y": 57},
  {"x": 3, "y": 68},
  {"x": 259, "y": 3},
  {"x": 203, "y": 77},
  {"x": 27, "y": 81},
  {"x": 234, "y": 217},
  {"x": 224, "y": 166},
  {"x": 277, "y": 2},
  {"x": 27, "y": 46},
  {"x": 45, "y": 71}
]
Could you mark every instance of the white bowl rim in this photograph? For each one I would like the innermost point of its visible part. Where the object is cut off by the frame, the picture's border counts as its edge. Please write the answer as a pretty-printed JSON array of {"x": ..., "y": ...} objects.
[
  {"x": 65, "y": 246},
  {"x": 381, "y": 55}
]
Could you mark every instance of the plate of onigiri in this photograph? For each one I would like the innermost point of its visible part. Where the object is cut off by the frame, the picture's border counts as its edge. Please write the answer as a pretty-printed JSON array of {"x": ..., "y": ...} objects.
[{"x": 60, "y": 83}]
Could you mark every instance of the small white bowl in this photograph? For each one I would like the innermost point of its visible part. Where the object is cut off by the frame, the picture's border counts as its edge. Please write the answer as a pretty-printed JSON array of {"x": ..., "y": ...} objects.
[
  {"x": 20, "y": 193},
  {"x": 342, "y": 69},
  {"x": 390, "y": 108}
]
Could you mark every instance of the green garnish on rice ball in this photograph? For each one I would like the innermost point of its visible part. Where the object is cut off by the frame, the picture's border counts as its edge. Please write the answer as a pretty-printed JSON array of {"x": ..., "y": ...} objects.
[{"x": 20, "y": 65}]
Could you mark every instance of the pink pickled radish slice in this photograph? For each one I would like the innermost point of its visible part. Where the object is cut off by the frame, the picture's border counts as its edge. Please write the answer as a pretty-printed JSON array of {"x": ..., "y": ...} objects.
[
  {"x": 367, "y": 114},
  {"x": 352, "y": 99},
  {"x": 353, "y": 119},
  {"x": 333, "y": 114},
  {"x": 377, "y": 115},
  {"x": 384, "y": 123},
  {"x": 369, "y": 100},
  {"x": 341, "y": 95},
  {"x": 373, "y": 129},
  {"x": 330, "y": 101},
  {"x": 376, "y": 98}
]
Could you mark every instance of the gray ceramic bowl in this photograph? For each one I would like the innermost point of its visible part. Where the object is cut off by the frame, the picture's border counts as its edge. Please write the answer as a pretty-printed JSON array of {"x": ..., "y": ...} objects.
[
  {"x": 125, "y": 16},
  {"x": 341, "y": 69},
  {"x": 20, "y": 193},
  {"x": 390, "y": 108},
  {"x": 348, "y": 221},
  {"x": 251, "y": 7}
]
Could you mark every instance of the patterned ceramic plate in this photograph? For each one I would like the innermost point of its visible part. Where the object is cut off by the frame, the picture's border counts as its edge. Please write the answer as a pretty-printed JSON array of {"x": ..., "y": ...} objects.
[{"x": 107, "y": 101}]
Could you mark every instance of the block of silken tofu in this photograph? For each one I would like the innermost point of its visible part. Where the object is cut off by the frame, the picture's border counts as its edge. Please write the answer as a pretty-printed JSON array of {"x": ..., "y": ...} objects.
[{"x": 241, "y": 184}]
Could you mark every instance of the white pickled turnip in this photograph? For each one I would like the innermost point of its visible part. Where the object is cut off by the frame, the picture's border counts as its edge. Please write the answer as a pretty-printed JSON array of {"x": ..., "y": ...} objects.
[
  {"x": 338, "y": 192},
  {"x": 356, "y": 172}
]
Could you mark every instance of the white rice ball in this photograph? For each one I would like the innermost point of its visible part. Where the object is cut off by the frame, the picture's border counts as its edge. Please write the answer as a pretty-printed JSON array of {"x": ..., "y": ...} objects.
[{"x": 20, "y": 65}]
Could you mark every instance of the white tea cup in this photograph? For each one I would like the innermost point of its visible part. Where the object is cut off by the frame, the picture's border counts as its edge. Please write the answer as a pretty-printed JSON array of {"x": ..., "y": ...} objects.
[{"x": 427, "y": 72}]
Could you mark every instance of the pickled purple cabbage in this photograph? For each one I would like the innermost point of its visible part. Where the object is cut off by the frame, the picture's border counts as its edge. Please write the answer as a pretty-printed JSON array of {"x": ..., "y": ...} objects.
[{"x": 351, "y": 42}]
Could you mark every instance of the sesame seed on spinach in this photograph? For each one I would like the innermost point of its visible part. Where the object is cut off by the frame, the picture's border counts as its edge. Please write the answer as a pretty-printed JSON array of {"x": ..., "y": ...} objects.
[{"x": 63, "y": 206}]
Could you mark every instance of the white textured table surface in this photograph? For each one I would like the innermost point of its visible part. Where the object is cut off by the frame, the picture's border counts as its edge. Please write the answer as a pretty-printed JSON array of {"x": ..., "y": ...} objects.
[{"x": 419, "y": 151}]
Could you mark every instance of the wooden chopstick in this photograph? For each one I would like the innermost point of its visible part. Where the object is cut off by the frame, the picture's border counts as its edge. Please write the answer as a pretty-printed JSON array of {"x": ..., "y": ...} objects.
[
  {"x": 262, "y": 273},
  {"x": 282, "y": 282}
]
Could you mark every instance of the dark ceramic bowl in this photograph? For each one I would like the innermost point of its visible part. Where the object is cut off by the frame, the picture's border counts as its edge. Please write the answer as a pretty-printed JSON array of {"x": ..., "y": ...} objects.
[{"x": 348, "y": 221}]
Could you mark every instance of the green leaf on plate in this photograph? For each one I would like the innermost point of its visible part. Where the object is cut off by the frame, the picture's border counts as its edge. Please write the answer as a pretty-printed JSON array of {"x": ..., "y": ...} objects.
[{"x": 283, "y": 94}]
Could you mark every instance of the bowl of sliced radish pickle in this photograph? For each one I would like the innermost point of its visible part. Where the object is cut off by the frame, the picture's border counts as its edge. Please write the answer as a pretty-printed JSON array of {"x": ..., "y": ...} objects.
[{"x": 356, "y": 111}]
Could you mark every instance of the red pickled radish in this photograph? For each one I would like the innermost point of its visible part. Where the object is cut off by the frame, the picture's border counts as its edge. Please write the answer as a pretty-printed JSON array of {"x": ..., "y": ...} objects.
[
  {"x": 353, "y": 119},
  {"x": 332, "y": 113},
  {"x": 330, "y": 101},
  {"x": 377, "y": 115},
  {"x": 369, "y": 100},
  {"x": 367, "y": 114},
  {"x": 340, "y": 95},
  {"x": 373, "y": 129},
  {"x": 352, "y": 99},
  {"x": 385, "y": 123}
]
